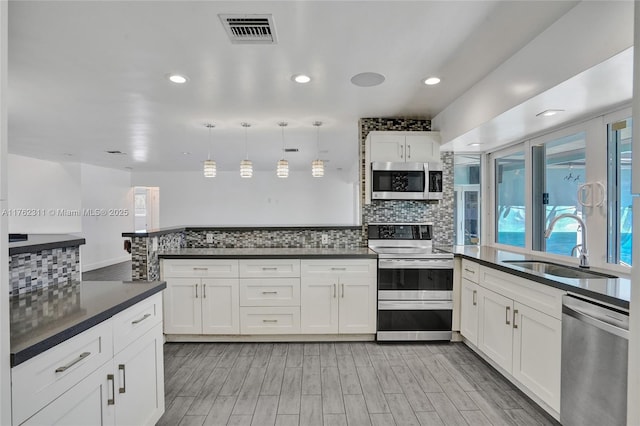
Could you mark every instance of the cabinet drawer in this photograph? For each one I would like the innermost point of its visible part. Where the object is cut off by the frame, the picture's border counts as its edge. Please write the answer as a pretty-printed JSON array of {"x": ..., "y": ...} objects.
[
  {"x": 470, "y": 270},
  {"x": 260, "y": 268},
  {"x": 187, "y": 268},
  {"x": 270, "y": 320},
  {"x": 339, "y": 266},
  {"x": 270, "y": 292},
  {"x": 37, "y": 382},
  {"x": 133, "y": 322}
]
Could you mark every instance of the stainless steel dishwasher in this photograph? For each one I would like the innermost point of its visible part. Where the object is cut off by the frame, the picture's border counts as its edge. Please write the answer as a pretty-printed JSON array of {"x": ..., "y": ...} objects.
[{"x": 595, "y": 342}]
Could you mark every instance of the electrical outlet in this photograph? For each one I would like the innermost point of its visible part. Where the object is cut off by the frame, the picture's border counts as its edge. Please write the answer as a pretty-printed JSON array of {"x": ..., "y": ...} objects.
[
  {"x": 209, "y": 238},
  {"x": 154, "y": 244},
  {"x": 325, "y": 239}
]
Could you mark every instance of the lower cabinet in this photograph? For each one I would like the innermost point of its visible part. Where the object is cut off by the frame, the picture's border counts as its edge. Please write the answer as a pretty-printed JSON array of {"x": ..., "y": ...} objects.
[
  {"x": 338, "y": 296},
  {"x": 524, "y": 341},
  {"x": 127, "y": 388}
]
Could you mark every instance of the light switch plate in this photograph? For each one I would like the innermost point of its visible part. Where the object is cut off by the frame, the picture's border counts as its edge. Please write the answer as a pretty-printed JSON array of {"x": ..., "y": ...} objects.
[{"x": 155, "y": 244}]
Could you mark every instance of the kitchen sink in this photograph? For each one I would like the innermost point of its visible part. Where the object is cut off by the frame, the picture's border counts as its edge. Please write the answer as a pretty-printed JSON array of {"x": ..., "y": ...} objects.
[{"x": 558, "y": 270}]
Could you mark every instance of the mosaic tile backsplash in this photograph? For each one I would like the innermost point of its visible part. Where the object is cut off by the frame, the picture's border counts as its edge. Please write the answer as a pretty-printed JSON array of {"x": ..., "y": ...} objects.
[{"x": 33, "y": 271}]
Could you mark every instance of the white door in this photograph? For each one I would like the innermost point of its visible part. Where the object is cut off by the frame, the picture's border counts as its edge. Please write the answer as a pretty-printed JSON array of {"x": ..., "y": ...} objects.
[
  {"x": 469, "y": 311},
  {"x": 357, "y": 301},
  {"x": 182, "y": 307},
  {"x": 537, "y": 369},
  {"x": 495, "y": 333},
  {"x": 421, "y": 148},
  {"x": 220, "y": 306},
  {"x": 387, "y": 147},
  {"x": 319, "y": 305},
  {"x": 139, "y": 371},
  {"x": 86, "y": 403}
]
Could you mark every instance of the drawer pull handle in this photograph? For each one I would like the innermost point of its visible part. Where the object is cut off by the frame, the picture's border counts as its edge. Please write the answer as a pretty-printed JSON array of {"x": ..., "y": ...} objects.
[
  {"x": 123, "y": 389},
  {"x": 269, "y": 292},
  {"x": 138, "y": 321},
  {"x": 196, "y": 287},
  {"x": 475, "y": 297},
  {"x": 111, "y": 401},
  {"x": 272, "y": 321},
  {"x": 515, "y": 312},
  {"x": 507, "y": 315},
  {"x": 342, "y": 290},
  {"x": 264, "y": 268},
  {"x": 200, "y": 269},
  {"x": 204, "y": 291},
  {"x": 334, "y": 290},
  {"x": 338, "y": 269},
  {"x": 471, "y": 271},
  {"x": 64, "y": 368}
]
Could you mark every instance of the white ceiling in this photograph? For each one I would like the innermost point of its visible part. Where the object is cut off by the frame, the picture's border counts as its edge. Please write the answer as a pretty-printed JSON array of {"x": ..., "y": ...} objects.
[{"x": 89, "y": 76}]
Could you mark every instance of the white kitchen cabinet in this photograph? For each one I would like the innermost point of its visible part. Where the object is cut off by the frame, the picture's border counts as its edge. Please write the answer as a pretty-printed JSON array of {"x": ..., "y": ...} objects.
[
  {"x": 495, "y": 335},
  {"x": 338, "y": 296},
  {"x": 419, "y": 147},
  {"x": 469, "y": 311},
  {"x": 202, "y": 296},
  {"x": 538, "y": 370}
]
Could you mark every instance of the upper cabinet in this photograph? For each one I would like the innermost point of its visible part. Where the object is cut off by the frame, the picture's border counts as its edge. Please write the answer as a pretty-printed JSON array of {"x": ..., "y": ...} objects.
[{"x": 421, "y": 147}]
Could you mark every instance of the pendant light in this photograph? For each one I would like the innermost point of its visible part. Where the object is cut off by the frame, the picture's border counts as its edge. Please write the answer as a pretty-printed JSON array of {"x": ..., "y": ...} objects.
[
  {"x": 282, "y": 170},
  {"x": 246, "y": 166},
  {"x": 317, "y": 165},
  {"x": 209, "y": 164}
]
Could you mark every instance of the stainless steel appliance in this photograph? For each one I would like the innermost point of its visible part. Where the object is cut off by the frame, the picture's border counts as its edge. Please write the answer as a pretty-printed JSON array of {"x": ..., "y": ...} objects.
[
  {"x": 406, "y": 181},
  {"x": 415, "y": 283},
  {"x": 595, "y": 341}
]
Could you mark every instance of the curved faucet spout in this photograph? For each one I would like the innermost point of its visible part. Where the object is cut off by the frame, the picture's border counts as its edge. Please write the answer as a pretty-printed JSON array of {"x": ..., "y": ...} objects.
[{"x": 584, "y": 254}]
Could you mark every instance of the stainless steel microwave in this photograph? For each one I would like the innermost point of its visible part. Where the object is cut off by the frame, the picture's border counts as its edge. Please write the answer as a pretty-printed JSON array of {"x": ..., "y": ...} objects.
[{"x": 406, "y": 181}]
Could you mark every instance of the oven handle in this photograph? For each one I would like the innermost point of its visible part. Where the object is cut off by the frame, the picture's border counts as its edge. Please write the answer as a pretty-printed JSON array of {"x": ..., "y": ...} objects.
[
  {"x": 414, "y": 264},
  {"x": 406, "y": 305}
]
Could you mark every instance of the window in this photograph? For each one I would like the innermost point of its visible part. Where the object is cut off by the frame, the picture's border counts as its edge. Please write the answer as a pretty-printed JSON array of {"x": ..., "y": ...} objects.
[
  {"x": 466, "y": 207},
  {"x": 619, "y": 211},
  {"x": 510, "y": 216},
  {"x": 558, "y": 173}
]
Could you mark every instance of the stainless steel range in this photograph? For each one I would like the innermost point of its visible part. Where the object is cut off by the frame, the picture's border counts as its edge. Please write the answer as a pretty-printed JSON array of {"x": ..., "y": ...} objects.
[{"x": 415, "y": 283}]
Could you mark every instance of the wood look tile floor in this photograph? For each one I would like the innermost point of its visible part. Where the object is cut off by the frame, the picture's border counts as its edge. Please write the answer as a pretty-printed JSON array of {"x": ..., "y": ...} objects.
[{"x": 338, "y": 384}]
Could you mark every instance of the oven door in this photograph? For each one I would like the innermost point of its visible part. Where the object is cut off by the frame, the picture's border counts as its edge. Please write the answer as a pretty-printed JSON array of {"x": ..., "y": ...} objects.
[
  {"x": 414, "y": 277},
  {"x": 414, "y": 320}
]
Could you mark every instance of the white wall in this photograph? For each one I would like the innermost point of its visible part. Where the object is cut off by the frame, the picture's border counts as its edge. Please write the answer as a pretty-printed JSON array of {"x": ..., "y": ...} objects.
[
  {"x": 188, "y": 198},
  {"x": 107, "y": 190},
  {"x": 50, "y": 187}
]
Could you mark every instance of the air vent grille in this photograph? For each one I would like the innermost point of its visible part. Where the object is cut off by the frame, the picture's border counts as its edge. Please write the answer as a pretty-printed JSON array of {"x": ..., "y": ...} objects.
[
  {"x": 291, "y": 150},
  {"x": 249, "y": 29}
]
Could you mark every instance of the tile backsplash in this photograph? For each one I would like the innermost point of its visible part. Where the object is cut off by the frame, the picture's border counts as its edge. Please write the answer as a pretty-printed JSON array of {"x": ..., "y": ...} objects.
[{"x": 33, "y": 271}]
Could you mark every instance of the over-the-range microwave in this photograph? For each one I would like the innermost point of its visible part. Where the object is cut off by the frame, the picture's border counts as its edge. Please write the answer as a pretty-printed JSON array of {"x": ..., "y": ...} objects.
[{"x": 406, "y": 181}]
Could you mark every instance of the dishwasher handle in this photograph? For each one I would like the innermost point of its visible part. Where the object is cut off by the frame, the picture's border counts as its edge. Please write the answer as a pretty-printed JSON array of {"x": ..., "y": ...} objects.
[{"x": 603, "y": 321}]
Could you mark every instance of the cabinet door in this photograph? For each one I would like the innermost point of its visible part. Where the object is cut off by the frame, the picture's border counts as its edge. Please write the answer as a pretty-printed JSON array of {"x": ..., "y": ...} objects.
[
  {"x": 319, "y": 305},
  {"x": 495, "y": 335},
  {"x": 220, "y": 306},
  {"x": 86, "y": 403},
  {"x": 469, "y": 311},
  {"x": 387, "y": 147},
  {"x": 357, "y": 301},
  {"x": 421, "y": 148},
  {"x": 538, "y": 370},
  {"x": 182, "y": 308},
  {"x": 139, "y": 371}
]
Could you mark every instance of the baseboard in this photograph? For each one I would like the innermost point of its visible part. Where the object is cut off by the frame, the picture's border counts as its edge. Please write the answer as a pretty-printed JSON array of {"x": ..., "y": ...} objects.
[{"x": 104, "y": 263}]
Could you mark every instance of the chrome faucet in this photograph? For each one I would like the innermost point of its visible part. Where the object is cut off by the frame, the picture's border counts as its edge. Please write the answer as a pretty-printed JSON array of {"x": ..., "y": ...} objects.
[{"x": 584, "y": 254}]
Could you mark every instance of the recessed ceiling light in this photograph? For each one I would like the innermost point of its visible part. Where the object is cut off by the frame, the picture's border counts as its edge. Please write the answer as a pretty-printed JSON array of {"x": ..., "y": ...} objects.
[
  {"x": 301, "y": 78},
  {"x": 475, "y": 144},
  {"x": 430, "y": 81},
  {"x": 177, "y": 78},
  {"x": 367, "y": 79},
  {"x": 186, "y": 153},
  {"x": 549, "y": 112}
]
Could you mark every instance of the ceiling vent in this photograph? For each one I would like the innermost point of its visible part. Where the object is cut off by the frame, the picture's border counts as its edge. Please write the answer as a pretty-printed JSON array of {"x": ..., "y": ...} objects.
[
  {"x": 291, "y": 150},
  {"x": 249, "y": 29}
]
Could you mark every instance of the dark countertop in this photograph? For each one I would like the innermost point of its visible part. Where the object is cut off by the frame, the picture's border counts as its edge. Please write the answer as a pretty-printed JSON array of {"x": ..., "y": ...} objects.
[
  {"x": 42, "y": 319},
  {"x": 615, "y": 291},
  {"x": 39, "y": 242},
  {"x": 162, "y": 231},
  {"x": 257, "y": 253}
]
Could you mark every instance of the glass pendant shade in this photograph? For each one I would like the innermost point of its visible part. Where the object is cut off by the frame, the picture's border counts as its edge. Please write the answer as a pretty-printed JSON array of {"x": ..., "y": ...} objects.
[
  {"x": 282, "y": 171},
  {"x": 317, "y": 168},
  {"x": 209, "y": 168},
  {"x": 246, "y": 168}
]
